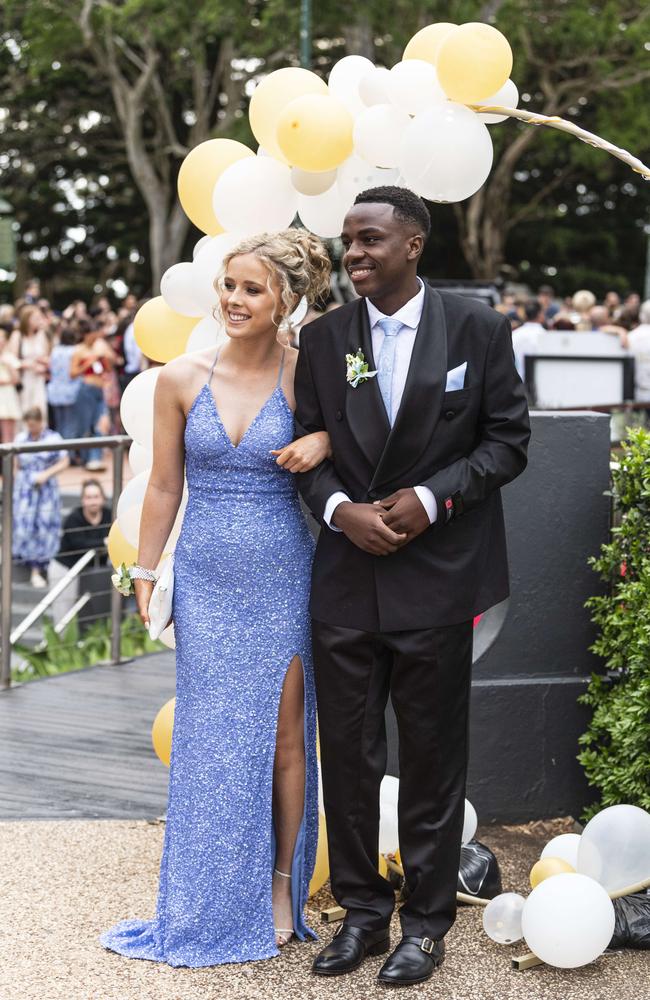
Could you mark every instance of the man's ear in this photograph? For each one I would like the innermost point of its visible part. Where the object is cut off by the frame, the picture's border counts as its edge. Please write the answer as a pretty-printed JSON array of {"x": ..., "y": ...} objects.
[{"x": 415, "y": 247}]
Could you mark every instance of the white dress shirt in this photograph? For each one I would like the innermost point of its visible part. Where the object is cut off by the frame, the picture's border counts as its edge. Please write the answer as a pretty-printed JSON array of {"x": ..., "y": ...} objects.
[{"x": 409, "y": 316}]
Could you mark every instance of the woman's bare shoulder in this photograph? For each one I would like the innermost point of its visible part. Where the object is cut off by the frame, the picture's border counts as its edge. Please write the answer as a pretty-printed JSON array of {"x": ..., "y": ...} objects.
[{"x": 187, "y": 367}]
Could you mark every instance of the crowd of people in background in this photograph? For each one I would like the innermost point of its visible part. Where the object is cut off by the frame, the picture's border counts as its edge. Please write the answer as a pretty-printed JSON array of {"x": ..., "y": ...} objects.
[
  {"x": 627, "y": 319},
  {"x": 72, "y": 365}
]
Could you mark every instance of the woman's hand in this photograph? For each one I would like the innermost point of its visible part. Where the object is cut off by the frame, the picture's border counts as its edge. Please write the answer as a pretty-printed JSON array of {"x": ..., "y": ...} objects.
[
  {"x": 143, "y": 591},
  {"x": 305, "y": 453}
]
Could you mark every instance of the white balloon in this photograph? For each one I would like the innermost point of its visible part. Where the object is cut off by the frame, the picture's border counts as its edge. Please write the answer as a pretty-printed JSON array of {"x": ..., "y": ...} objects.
[
  {"x": 568, "y": 920},
  {"x": 373, "y": 86},
  {"x": 167, "y": 637},
  {"x": 129, "y": 507},
  {"x": 413, "y": 86},
  {"x": 255, "y": 194},
  {"x": 299, "y": 312},
  {"x": 564, "y": 846},
  {"x": 206, "y": 267},
  {"x": 344, "y": 81},
  {"x": 136, "y": 408},
  {"x": 446, "y": 153},
  {"x": 507, "y": 97},
  {"x": 615, "y": 847},
  {"x": 208, "y": 332},
  {"x": 502, "y": 918},
  {"x": 323, "y": 214},
  {"x": 306, "y": 182},
  {"x": 378, "y": 132},
  {"x": 355, "y": 175},
  {"x": 177, "y": 290},
  {"x": 470, "y": 822},
  {"x": 140, "y": 458},
  {"x": 388, "y": 832},
  {"x": 200, "y": 244}
]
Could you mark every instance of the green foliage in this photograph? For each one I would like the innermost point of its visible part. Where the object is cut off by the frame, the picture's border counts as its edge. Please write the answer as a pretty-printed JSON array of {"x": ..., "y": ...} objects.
[
  {"x": 616, "y": 754},
  {"x": 61, "y": 654}
]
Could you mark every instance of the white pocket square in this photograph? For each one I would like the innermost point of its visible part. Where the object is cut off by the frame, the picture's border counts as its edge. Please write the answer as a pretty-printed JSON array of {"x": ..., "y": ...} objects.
[{"x": 456, "y": 378}]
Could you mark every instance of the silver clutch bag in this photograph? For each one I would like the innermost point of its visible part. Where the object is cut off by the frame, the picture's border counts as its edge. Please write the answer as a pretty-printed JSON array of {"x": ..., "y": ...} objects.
[{"x": 160, "y": 604}]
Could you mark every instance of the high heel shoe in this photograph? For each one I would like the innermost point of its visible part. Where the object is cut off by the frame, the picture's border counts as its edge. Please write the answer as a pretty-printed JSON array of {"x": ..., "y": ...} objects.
[{"x": 282, "y": 934}]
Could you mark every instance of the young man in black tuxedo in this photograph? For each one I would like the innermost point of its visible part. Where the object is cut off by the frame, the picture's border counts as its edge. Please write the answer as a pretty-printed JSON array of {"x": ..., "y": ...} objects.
[{"x": 412, "y": 547}]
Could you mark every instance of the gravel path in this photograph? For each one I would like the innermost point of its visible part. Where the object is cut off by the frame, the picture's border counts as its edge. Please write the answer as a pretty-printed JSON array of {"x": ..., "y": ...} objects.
[{"x": 63, "y": 882}]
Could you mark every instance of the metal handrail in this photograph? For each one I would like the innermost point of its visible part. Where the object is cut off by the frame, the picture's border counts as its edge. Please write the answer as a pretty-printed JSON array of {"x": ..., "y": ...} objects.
[
  {"x": 118, "y": 444},
  {"x": 51, "y": 596}
]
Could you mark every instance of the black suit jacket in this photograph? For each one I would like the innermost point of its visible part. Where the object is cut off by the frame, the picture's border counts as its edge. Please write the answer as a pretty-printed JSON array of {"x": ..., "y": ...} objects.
[{"x": 462, "y": 444}]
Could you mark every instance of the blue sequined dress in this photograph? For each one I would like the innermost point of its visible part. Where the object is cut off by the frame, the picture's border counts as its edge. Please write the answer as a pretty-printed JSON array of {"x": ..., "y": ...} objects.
[{"x": 242, "y": 571}]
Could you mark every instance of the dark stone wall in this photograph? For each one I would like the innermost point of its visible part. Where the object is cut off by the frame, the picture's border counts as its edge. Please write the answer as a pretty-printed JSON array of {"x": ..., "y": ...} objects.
[{"x": 531, "y": 658}]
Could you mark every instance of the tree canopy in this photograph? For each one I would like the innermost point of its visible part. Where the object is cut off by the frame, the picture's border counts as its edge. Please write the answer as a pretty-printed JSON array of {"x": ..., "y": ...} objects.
[{"x": 101, "y": 102}]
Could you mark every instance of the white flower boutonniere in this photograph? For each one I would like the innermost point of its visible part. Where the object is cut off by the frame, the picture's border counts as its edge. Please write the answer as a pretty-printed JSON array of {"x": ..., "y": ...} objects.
[
  {"x": 357, "y": 369},
  {"x": 122, "y": 581}
]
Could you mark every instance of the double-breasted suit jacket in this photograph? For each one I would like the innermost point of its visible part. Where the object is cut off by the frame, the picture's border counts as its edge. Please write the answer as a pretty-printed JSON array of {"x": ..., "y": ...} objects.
[{"x": 463, "y": 445}]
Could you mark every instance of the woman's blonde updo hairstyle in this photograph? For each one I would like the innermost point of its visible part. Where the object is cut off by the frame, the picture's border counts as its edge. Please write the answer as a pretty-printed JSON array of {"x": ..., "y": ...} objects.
[{"x": 298, "y": 259}]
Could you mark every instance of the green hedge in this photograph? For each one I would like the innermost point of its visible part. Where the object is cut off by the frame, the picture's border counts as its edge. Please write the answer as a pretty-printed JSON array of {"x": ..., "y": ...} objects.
[{"x": 616, "y": 746}]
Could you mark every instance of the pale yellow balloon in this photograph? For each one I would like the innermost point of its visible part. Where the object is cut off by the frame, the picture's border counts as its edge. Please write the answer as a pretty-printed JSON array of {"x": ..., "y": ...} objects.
[
  {"x": 474, "y": 61},
  {"x": 322, "y": 866},
  {"x": 271, "y": 97},
  {"x": 315, "y": 132},
  {"x": 546, "y": 867},
  {"x": 200, "y": 171},
  {"x": 160, "y": 333},
  {"x": 426, "y": 42},
  {"x": 119, "y": 550},
  {"x": 161, "y": 731}
]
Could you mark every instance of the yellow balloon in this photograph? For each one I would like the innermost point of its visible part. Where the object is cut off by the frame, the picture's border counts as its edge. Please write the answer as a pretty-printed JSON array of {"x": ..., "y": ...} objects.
[
  {"x": 315, "y": 132},
  {"x": 161, "y": 731},
  {"x": 271, "y": 97},
  {"x": 200, "y": 171},
  {"x": 546, "y": 867},
  {"x": 382, "y": 866},
  {"x": 426, "y": 42},
  {"x": 322, "y": 866},
  {"x": 119, "y": 550},
  {"x": 398, "y": 857},
  {"x": 474, "y": 61},
  {"x": 161, "y": 333}
]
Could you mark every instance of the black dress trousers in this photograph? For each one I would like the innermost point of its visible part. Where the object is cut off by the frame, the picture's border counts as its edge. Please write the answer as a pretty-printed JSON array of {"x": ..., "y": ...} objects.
[{"x": 427, "y": 673}]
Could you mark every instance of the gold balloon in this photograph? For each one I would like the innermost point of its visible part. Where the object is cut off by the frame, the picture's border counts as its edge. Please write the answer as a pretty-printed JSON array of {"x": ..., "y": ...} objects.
[
  {"x": 315, "y": 133},
  {"x": 398, "y": 857},
  {"x": 546, "y": 867},
  {"x": 271, "y": 97},
  {"x": 322, "y": 866},
  {"x": 200, "y": 171},
  {"x": 382, "y": 866},
  {"x": 160, "y": 333},
  {"x": 161, "y": 731},
  {"x": 474, "y": 61},
  {"x": 119, "y": 550},
  {"x": 426, "y": 42}
]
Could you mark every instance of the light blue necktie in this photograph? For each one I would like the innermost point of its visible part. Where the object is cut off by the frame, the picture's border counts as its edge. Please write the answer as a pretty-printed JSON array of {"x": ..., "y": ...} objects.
[{"x": 386, "y": 363}]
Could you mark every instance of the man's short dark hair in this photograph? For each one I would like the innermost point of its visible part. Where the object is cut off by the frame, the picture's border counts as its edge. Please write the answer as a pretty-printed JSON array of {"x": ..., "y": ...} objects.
[
  {"x": 408, "y": 207},
  {"x": 532, "y": 310}
]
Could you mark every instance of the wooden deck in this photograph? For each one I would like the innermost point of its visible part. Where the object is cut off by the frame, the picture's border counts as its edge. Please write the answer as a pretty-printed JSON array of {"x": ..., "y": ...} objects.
[{"x": 79, "y": 745}]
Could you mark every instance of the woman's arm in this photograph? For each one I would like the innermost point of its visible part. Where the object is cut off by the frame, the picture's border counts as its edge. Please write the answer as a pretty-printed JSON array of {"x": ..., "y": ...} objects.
[
  {"x": 52, "y": 470},
  {"x": 165, "y": 489},
  {"x": 79, "y": 362},
  {"x": 305, "y": 453}
]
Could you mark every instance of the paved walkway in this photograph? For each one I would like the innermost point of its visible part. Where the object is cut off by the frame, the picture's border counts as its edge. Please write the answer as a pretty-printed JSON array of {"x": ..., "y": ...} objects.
[{"x": 75, "y": 749}]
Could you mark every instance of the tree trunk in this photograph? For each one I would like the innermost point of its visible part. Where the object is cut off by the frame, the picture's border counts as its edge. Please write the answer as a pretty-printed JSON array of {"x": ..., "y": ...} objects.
[{"x": 360, "y": 38}]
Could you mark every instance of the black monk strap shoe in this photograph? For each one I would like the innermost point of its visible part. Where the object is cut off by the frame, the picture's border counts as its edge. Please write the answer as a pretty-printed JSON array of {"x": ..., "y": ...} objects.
[
  {"x": 348, "y": 948},
  {"x": 413, "y": 961}
]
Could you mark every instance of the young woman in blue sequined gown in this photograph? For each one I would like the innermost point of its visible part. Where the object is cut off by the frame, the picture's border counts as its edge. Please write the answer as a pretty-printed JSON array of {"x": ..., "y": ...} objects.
[{"x": 242, "y": 820}]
